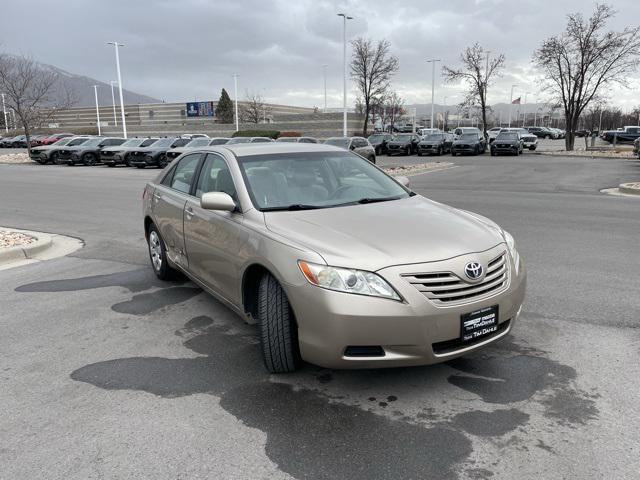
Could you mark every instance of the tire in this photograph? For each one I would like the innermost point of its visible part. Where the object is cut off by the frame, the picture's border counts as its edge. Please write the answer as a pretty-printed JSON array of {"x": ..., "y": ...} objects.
[
  {"x": 158, "y": 255},
  {"x": 162, "y": 161},
  {"x": 493, "y": 154},
  {"x": 453, "y": 154},
  {"x": 41, "y": 161},
  {"x": 407, "y": 151},
  {"x": 372, "y": 159},
  {"x": 439, "y": 153},
  {"x": 54, "y": 159},
  {"x": 278, "y": 331},
  {"x": 89, "y": 159},
  {"x": 547, "y": 137},
  {"x": 419, "y": 153},
  {"x": 111, "y": 165},
  {"x": 139, "y": 166}
]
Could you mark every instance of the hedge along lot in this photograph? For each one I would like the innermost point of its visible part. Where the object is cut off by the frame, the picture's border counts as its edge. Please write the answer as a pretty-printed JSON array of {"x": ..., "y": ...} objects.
[{"x": 257, "y": 133}]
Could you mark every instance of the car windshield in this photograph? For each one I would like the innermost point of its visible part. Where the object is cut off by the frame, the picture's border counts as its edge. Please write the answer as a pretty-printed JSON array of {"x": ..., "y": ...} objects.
[
  {"x": 301, "y": 181},
  {"x": 507, "y": 136},
  {"x": 77, "y": 141},
  {"x": 148, "y": 142},
  {"x": 288, "y": 139},
  {"x": 218, "y": 141},
  {"x": 164, "y": 142},
  {"x": 93, "y": 142},
  {"x": 239, "y": 140},
  {"x": 198, "y": 142},
  {"x": 62, "y": 141},
  {"x": 338, "y": 142},
  {"x": 434, "y": 136},
  {"x": 402, "y": 138},
  {"x": 468, "y": 136},
  {"x": 132, "y": 142},
  {"x": 374, "y": 138}
]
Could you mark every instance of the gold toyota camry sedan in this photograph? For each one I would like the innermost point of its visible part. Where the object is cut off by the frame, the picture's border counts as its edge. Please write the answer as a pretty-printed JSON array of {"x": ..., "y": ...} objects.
[{"x": 340, "y": 264}]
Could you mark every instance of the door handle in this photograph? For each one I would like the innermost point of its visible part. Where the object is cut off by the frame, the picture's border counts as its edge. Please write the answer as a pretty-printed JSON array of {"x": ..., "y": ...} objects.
[
  {"x": 156, "y": 196},
  {"x": 188, "y": 213}
]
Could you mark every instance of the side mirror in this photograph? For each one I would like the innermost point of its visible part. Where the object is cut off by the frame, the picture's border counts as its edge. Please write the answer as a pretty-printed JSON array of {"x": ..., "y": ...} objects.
[
  {"x": 217, "y": 201},
  {"x": 403, "y": 180}
]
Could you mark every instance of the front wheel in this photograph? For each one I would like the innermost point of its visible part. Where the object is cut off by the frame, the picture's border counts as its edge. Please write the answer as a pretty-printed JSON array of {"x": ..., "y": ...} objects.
[
  {"x": 162, "y": 161},
  {"x": 56, "y": 159},
  {"x": 278, "y": 331},
  {"x": 139, "y": 166}
]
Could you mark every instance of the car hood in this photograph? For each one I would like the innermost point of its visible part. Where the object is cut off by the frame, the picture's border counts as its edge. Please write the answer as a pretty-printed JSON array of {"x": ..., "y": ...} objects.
[
  {"x": 150, "y": 149},
  {"x": 431, "y": 142},
  {"x": 378, "y": 235},
  {"x": 506, "y": 140},
  {"x": 466, "y": 142}
]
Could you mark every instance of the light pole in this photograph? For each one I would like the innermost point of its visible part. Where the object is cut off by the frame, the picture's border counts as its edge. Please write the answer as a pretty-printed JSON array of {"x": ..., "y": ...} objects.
[
  {"x": 124, "y": 122},
  {"x": 444, "y": 114},
  {"x": 433, "y": 85},
  {"x": 235, "y": 90},
  {"x": 95, "y": 90},
  {"x": 345, "y": 17},
  {"x": 4, "y": 110},
  {"x": 511, "y": 103},
  {"x": 524, "y": 109},
  {"x": 324, "y": 72},
  {"x": 113, "y": 102}
]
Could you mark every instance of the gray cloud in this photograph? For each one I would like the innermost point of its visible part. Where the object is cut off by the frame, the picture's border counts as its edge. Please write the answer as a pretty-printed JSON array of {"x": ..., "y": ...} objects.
[{"x": 178, "y": 51}]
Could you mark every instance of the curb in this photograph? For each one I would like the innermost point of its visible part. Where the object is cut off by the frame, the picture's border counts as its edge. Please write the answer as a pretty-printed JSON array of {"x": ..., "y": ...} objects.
[
  {"x": 553, "y": 154},
  {"x": 43, "y": 242},
  {"x": 629, "y": 188}
]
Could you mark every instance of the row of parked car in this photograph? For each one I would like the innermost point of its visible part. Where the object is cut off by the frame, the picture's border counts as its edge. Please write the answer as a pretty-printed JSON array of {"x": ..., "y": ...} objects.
[
  {"x": 20, "y": 141},
  {"x": 464, "y": 140}
]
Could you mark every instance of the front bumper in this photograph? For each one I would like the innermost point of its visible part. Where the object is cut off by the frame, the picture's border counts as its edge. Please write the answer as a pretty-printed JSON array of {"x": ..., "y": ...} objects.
[
  {"x": 510, "y": 149},
  {"x": 430, "y": 148},
  {"x": 465, "y": 148},
  {"x": 147, "y": 160},
  {"x": 416, "y": 331}
]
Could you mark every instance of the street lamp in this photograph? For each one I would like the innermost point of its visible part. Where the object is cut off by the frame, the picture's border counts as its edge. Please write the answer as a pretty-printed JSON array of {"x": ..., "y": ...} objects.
[
  {"x": 324, "y": 72},
  {"x": 524, "y": 109},
  {"x": 113, "y": 102},
  {"x": 95, "y": 90},
  {"x": 511, "y": 103},
  {"x": 345, "y": 17},
  {"x": 124, "y": 122},
  {"x": 4, "y": 110},
  {"x": 433, "y": 85},
  {"x": 235, "y": 90}
]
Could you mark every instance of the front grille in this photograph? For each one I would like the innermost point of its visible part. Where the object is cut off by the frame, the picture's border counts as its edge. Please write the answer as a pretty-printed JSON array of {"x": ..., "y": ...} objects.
[
  {"x": 107, "y": 154},
  {"x": 447, "y": 288},
  {"x": 364, "y": 351}
]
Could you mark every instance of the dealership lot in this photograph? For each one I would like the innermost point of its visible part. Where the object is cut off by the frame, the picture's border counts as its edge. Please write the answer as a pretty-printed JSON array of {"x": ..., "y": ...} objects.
[{"x": 108, "y": 372}]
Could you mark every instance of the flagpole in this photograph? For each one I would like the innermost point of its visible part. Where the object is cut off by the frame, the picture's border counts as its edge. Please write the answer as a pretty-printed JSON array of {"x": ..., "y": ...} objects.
[{"x": 511, "y": 103}]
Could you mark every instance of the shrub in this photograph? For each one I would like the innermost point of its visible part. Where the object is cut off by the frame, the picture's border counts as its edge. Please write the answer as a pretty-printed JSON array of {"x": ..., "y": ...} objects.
[
  {"x": 290, "y": 134},
  {"x": 257, "y": 133}
]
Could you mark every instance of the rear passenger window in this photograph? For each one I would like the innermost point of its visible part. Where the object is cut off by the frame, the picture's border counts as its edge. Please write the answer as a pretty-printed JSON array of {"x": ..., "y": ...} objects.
[{"x": 184, "y": 172}]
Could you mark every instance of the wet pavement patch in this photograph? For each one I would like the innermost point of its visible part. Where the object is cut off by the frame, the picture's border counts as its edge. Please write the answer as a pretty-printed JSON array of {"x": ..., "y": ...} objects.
[
  {"x": 133, "y": 280},
  {"x": 490, "y": 424},
  {"x": 145, "y": 303},
  {"x": 503, "y": 376},
  {"x": 308, "y": 436}
]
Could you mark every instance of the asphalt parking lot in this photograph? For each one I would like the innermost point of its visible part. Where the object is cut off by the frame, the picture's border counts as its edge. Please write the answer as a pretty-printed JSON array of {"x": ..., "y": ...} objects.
[{"x": 110, "y": 373}]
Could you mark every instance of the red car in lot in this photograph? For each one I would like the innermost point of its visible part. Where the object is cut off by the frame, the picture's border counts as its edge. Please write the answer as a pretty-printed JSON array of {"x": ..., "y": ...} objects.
[{"x": 54, "y": 138}]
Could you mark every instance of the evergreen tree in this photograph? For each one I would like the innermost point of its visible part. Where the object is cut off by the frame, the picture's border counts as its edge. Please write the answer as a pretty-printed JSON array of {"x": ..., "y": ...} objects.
[{"x": 224, "y": 110}]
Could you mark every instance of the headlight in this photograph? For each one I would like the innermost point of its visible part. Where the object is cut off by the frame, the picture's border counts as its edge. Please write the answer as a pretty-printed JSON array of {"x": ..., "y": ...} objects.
[
  {"x": 511, "y": 245},
  {"x": 347, "y": 280}
]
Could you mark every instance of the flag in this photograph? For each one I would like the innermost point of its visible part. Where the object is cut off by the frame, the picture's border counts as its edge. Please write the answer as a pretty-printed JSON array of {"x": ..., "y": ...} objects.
[{"x": 516, "y": 101}]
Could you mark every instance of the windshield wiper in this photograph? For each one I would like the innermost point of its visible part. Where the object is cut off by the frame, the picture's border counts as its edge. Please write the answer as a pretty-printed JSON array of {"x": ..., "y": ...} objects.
[
  {"x": 295, "y": 206},
  {"x": 370, "y": 200}
]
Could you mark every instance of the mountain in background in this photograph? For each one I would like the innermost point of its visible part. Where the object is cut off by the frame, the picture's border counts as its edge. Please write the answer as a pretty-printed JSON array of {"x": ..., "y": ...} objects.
[
  {"x": 423, "y": 110},
  {"x": 82, "y": 89}
]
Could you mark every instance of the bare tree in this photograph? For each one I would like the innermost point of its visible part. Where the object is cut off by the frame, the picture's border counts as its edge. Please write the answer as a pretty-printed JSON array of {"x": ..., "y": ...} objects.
[
  {"x": 477, "y": 72},
  {"x": 254, "y": 109},
  {"x": 584, "y": 59},
  {"x": 372, "y": 67},
  {"x": 393, "y": 108},
  {"x": 30, "y": 91}
]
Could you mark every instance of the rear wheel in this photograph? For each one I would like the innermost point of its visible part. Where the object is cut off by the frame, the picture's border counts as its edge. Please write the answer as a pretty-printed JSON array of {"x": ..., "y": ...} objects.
[
  {"x": 278, "y": 331},
  {"x": 89, "y": 159},
  {"x": 158, "y": 255},
  {"x": 55, "y": 158}
]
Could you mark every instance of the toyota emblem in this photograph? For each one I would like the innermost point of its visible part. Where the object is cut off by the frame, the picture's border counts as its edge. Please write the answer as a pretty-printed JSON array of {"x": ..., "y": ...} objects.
[{"x": 473, "y": 270}]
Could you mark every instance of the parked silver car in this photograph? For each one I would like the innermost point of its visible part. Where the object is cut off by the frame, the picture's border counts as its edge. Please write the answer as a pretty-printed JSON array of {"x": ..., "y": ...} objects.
[
  {"x": 340, "y": 264},
  {"x": 359, "y": 145}
]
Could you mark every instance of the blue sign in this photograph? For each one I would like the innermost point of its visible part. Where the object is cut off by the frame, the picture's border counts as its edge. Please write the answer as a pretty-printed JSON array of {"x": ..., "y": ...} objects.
[{"x": 201, "y": 109}]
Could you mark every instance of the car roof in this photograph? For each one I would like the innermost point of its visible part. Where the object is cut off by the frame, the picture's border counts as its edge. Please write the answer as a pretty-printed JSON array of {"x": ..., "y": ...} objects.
[{"x": 248, "y": 149}]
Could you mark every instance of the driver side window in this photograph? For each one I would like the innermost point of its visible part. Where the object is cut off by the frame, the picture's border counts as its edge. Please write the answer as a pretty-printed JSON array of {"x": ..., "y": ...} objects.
[{"x": 215, "y": 176}]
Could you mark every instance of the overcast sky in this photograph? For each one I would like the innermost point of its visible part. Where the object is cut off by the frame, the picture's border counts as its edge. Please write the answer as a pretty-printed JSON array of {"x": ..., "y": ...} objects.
[{"x": 189, "y": 49}]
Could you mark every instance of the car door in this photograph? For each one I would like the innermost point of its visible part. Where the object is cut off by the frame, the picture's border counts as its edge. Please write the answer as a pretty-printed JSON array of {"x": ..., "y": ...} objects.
[
  {"x": 213, "y": 239},
  {"x": 169, "y": 199}
]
